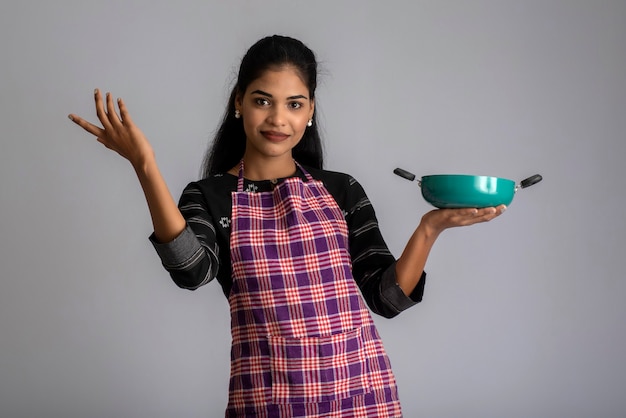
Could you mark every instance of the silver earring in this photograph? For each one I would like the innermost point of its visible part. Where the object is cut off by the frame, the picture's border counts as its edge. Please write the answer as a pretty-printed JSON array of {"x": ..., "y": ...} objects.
[
  {"x": 237, "y": 114},
  {"x": 309, "y": 123}
]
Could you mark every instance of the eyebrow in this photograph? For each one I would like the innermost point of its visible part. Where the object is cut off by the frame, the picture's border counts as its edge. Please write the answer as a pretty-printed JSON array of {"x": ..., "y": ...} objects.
[{"x": 263, "y": 93}]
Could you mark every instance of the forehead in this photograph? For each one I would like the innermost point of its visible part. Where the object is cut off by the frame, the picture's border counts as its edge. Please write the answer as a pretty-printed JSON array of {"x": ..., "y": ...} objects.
[{"x": 283, "y": 81}]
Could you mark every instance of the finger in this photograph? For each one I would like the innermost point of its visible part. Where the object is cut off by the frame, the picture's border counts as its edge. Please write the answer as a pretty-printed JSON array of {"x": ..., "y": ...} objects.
[
  {"x": 487, "y": 214},
  {"x": 471, "y": 216},
  {"x": 463, "y": 212},
  {"x": 487, "y": 211},
  {"x": 100, "y": 112},
  {"x": 493, "y": 211},
  {"x": 105, "y": 143},
  {"x": 124, "y": 114},
  {"x": 111, "y": 112},
  {"x": 111, "y": 146},
  {"x": 89, "y": 127}
]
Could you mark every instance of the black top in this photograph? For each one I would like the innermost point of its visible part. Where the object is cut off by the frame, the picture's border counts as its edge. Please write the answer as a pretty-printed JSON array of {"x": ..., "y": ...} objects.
[{"x": 202, "y": 251}]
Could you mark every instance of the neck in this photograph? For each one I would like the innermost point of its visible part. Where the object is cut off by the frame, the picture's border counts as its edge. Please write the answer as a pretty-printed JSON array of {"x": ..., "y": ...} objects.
[{"x": 268, "y": 168}]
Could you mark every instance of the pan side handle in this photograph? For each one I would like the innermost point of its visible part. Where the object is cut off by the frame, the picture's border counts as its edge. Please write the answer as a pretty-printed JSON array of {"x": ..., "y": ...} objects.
[
  {"x": 404, "y": 174},
  {"x": 530, "y": 181}
]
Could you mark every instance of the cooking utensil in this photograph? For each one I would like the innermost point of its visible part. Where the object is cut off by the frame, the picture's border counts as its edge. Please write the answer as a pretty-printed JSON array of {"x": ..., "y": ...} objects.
[{"x": 463, "y": 190}]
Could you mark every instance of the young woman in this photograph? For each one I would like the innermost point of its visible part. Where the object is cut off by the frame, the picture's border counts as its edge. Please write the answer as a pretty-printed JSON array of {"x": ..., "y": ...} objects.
[{"x": 296, "y": 249}]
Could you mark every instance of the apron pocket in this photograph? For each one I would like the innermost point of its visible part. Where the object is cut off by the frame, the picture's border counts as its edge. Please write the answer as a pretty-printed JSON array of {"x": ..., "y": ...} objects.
[{"x": 318, "y": 369}]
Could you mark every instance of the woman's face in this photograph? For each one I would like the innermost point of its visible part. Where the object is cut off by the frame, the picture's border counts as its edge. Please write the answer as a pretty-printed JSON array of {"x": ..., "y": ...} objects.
[{"x": 275, "y": 109}]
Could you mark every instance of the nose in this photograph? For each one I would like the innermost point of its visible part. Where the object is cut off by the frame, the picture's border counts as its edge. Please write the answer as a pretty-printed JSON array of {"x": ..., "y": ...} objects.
[{"x": 276, "y": 116}]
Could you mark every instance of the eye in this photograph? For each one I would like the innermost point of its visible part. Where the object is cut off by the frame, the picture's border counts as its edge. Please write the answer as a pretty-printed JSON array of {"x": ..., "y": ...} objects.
[
  {"x": 295, "y": 105},
  {"x": 261, "y": 101}
]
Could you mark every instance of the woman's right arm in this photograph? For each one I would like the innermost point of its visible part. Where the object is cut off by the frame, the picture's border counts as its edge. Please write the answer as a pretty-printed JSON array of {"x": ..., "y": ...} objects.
[{"x": 121, "y": 135}]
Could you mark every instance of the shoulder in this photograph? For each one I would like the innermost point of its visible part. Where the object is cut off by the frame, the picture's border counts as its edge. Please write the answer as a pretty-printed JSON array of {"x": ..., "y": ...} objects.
[
  {"x": 214, "y": 187},
  {"x": 342, "y": 186},
  {"x": 330, "y": 176},
  {"x": 333, "y": 179},
  {"x": 215, "y": 183}
]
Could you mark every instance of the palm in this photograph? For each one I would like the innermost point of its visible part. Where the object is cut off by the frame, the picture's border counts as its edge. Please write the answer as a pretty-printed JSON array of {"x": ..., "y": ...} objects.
[{"x": 441, "y": 219}]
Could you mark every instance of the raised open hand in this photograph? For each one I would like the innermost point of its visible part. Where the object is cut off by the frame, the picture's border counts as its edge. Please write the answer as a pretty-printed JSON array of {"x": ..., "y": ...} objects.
[{"x": 118, "y": 132}]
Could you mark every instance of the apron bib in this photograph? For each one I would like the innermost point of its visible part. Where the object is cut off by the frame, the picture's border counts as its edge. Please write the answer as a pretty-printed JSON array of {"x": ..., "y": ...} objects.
[{"x": 303, "y": 341}]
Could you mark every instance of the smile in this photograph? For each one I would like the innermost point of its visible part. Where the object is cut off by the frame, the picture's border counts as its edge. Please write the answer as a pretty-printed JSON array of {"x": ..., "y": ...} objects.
[{"x": 274, "y": 136}]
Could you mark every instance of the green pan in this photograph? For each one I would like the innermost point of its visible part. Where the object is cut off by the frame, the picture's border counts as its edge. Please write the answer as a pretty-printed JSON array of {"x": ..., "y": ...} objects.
[{"x": 467, "y": 191}]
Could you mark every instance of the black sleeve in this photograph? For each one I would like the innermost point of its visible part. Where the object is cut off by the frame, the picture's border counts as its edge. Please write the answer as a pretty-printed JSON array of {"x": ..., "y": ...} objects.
[
  {"x": 191, "y": 258},
  {"x": 373, "y": 265}
]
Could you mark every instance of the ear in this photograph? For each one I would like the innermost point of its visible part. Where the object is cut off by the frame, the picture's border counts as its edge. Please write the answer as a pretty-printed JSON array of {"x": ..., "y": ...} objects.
[
  {"x": 238, "y": 101},
  {"x": 312, "y": 109}
]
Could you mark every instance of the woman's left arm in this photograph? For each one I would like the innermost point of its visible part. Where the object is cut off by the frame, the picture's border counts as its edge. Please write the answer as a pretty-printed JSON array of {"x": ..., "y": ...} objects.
[{"x": 411, "y": 263}]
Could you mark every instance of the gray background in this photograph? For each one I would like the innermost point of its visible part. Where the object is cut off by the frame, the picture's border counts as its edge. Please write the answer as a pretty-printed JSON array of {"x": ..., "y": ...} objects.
[{"x": 523, "y": 317}]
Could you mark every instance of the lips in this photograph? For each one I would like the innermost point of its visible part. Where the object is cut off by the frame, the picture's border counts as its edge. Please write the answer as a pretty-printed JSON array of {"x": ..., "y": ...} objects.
[{"x": 274, "y": 136}]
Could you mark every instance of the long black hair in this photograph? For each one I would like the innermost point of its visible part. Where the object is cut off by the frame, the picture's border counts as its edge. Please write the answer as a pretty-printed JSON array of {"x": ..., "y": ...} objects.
[{"x": 229, "y": 143}]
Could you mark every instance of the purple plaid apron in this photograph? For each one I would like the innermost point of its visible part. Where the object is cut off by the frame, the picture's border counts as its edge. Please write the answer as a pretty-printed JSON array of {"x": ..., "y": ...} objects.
[{"x": 303, "y": 341}]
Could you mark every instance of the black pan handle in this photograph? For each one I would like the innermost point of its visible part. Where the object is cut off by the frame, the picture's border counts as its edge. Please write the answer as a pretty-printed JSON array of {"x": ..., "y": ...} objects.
[
  {"x": 530, "y": 181},
  {"x": 404, "y": 174}
]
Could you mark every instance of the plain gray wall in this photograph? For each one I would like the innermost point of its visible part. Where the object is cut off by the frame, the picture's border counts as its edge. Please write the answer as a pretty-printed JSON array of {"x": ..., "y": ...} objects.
[{"x": 522, "y": 317}]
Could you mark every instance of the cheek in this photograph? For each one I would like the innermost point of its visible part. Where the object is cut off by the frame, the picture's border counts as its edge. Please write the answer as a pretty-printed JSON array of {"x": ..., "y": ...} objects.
[
  {"x": 302, "y": 121},
  {"x": 249, "y": 125},
  {"x": 301, "y": 128}
]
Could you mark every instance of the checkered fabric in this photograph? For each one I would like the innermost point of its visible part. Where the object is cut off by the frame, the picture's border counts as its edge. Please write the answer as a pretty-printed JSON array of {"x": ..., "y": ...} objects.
[{"x": 303, "y": 341}]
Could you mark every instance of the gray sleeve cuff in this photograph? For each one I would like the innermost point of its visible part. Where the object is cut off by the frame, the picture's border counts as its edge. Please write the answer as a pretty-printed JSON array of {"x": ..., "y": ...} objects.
[
  {"x": 178, "y": 253},
  {"x": 392, "y": 294}
]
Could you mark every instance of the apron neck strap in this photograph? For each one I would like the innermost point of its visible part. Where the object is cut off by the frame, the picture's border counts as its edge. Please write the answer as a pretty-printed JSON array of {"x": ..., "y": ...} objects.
[
  {"x": 306, "y": 173},
  {"x": 240, "y": 176}
]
